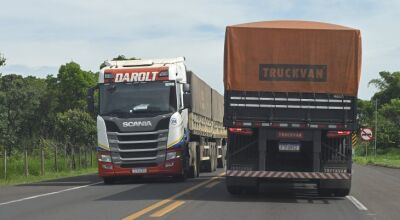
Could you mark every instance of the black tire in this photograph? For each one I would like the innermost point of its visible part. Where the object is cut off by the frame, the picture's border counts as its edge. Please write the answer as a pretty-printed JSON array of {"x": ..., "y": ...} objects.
[
  {"x": 108, "y": 180},
  {"x": 234, "y": 190},
  {"x": 181, "y": 177},
  {"x": 185, "y": 169}
]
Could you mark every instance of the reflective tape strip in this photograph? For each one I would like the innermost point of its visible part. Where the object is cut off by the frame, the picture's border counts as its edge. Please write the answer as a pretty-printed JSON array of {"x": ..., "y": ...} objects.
[
  {"x": 288, "y": 175},
  {"x": 283, "y": 175},
  {"x": 255, "y": 174},
  {"x": 247, "y": 174},
  {"x": 344, "y": 175},
  {"x": 254, "y": 105},
  {"x": 277, "y": 174},
  {"x": 329, "y": 175},
  {"x": 308, "y": 175},
  {"x": 270, "y": 174},
  {"x": 337, "y": 176}
]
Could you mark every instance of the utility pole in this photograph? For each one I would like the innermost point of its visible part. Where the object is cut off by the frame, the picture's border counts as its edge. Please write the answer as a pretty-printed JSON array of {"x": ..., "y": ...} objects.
[{"x": 376, "y": 124}]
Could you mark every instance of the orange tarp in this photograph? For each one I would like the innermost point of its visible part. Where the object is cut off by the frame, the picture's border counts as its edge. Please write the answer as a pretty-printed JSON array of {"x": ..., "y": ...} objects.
[{"x": 292, "y": 56}]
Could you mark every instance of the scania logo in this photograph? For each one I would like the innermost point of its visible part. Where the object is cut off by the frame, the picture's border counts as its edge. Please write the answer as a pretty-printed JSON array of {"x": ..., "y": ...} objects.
[{"x": 136, "y": 124}]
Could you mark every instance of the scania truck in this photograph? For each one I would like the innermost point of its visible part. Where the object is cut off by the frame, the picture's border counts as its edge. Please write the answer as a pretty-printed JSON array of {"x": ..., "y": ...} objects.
[
  {"x": 156, "y": 118},
  {"x": 290, "y": 104}
]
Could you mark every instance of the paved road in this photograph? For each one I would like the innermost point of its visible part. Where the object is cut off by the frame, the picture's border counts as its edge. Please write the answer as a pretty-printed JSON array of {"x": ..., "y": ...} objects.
[{"x": 375, "y": 195}]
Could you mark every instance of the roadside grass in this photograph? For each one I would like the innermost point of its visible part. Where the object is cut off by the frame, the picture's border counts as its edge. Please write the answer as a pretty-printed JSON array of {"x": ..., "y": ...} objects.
[
  {"x": 16, "y": 169},
  {"x": 386, "y": 158},
  {"x": 21, "y": 179}
]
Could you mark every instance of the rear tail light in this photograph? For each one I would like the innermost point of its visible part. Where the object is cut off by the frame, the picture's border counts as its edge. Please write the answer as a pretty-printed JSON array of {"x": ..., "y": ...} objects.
[
  {"x": 243, "y": 131},
  {"x": 334, "y": 134}
]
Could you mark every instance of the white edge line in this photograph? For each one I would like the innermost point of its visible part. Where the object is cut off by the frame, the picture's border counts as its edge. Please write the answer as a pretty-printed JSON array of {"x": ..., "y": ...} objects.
[
  {"x": 357, "y": 203},
  {"x": 48, "y": 194}
]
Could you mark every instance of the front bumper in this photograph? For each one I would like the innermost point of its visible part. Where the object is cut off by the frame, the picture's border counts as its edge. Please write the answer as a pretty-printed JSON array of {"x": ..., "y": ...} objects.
[{"x": 117, "y": 170}]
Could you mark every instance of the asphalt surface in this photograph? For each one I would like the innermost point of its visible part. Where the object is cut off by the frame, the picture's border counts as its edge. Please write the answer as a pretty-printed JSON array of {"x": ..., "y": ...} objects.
[{"x": 377, "y": 189}]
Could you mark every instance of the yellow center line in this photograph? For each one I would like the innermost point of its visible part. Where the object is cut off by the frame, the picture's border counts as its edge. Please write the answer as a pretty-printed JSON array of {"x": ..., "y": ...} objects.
[
  {"x": 167, "y": 209},
  {"x": 212, "y": 184},
  {"x": 158, "y": 204}
]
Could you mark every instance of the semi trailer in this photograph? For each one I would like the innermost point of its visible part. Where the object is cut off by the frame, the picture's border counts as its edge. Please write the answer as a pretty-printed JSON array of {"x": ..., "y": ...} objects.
[
  {"x": 290, "y": 104},
  {"x": 156, "y": 118}
]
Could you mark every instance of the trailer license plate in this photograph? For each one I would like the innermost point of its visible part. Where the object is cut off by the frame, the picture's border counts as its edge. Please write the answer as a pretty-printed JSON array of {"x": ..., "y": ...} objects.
[
  {"x": 139, "y": 170},
  {"x": 289, "y": 147}
]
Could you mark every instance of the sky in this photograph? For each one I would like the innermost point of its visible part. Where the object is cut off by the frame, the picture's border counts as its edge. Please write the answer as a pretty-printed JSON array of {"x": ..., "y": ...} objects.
[{"x": 37, "y": 36}]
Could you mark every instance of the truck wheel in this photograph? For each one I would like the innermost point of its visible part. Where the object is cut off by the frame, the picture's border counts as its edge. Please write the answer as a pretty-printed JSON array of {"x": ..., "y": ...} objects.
[
  {"x": 108, "y": 180},
  {"x": 184, "y": 170},
  {"x": 234, "y": 190},
  {"x": 181, "y": 177}
]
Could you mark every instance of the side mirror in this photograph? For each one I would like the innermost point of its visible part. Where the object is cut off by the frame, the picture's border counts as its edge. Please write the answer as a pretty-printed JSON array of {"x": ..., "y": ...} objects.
[
  {"x": 186, "y": 88},
  {"x": 187, "y": 100},
  {"x": 90, "y": 100}
]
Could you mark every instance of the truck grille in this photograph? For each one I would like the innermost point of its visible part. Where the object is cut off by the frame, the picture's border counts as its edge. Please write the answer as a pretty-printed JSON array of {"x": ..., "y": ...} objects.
[
  {"x": 129, "y": 149},
  {"x": 138, "y": 154}
]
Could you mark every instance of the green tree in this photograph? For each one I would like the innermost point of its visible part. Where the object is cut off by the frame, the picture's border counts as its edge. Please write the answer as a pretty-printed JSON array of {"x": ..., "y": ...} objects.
[
  {"x": 18, "y": 102},
  {"x": 389, "y": 124},
  {"x": 2, "y": 60},
  {"x": 72, "y": 86},
  {"x": 388, "y": 85},
  {"x": 365, "y": 112},
  {"x": 77, "y": 128}
]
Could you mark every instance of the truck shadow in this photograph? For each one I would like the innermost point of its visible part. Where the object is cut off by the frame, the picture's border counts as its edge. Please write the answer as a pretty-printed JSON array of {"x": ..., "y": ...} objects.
[{"x": 160, "y": 190}]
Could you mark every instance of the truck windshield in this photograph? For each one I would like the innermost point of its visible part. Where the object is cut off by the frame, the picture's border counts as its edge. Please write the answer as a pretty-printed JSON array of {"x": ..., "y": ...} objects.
[{"x": 128, "y": 99}]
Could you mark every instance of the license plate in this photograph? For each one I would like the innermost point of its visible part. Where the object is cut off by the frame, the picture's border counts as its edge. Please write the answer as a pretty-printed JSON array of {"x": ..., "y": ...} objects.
[
  {"x": 139, "y": 170},
  {"x": 289, "y": 147}
]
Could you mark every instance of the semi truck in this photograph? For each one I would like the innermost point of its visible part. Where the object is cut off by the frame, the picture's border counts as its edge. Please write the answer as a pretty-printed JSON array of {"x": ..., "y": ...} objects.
[
  {"x": 290, "y": 104},
  {"x": 156, "y": 118}
]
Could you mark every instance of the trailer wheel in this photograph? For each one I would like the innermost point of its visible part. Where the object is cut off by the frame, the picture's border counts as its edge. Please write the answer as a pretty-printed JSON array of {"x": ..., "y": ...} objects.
[{"x": 108, "y": 180}]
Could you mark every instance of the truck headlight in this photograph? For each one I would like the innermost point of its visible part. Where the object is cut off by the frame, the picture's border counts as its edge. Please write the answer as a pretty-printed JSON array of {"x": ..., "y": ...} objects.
[
  {"x": 171, "y": 155},
  {"x": 105, "y": 158}
]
